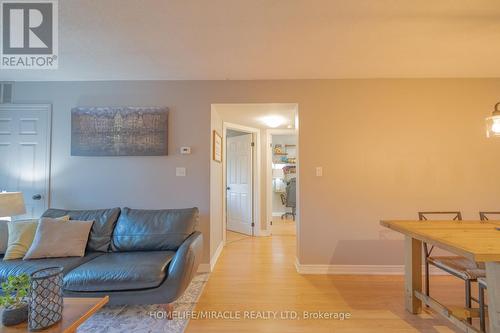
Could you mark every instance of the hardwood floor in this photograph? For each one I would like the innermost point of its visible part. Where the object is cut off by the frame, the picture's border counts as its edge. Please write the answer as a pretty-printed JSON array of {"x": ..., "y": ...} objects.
[
  {"x": 258, "y": 274},
  {"x": 285, "y": 227},
  {"x": 234, "y": 237}
]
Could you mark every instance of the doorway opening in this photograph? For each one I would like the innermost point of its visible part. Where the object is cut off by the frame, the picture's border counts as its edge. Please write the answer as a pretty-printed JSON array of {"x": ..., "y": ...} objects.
[
  {"x": 243, "y": 180},
  {"x": 282, "y": 181}
]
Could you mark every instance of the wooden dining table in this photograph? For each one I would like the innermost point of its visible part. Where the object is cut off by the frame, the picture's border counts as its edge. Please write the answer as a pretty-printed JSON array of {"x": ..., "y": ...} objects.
[{"x": 478, "y": 241}]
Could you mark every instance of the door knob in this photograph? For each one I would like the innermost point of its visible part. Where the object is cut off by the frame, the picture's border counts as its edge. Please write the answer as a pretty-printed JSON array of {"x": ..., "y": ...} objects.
[
  {"x": 37, "y": 197},
  {"x": 228, "y": 188}
]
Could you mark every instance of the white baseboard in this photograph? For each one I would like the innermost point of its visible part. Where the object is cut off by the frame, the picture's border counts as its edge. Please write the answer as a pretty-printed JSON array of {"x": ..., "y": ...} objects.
[
  {"x": 204, "y": 268},
  {"x": 278, "y": 214},
  {"x": 357, "y": 269},
  {"x": 216, "y": 256},
  {"x": 265, "y": 233},
  {"x": 208, "y": 268},
  {"x": 262, "y": 232}
]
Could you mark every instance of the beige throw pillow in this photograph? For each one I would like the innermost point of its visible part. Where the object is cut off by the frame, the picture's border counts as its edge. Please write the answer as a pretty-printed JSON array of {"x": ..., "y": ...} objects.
[
  {"x": 18, "y": 249},
  {"x": 21, "y": 236},
  {"x": 56, "y": 238},
  {"x": 64, "y": 218}
]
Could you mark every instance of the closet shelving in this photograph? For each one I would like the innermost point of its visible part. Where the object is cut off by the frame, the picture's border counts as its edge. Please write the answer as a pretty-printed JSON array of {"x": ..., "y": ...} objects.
[{"x": 284, "y": 162}]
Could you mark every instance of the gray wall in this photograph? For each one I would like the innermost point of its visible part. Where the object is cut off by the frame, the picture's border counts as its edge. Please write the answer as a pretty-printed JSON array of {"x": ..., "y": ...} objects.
[{"x": 138, "y": 182}]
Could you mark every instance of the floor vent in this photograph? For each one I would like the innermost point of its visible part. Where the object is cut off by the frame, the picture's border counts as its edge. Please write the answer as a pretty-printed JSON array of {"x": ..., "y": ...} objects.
[{"x": 6, "y": 92}]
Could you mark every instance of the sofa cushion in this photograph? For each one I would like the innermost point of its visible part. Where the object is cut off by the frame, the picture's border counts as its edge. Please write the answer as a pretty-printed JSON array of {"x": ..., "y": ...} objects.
[
  {"x": 120, "y": 271},
  {"x": 104, "y": 222},
  {"x": 153, "y": 230},
  {"x": 16, "y": 267}
]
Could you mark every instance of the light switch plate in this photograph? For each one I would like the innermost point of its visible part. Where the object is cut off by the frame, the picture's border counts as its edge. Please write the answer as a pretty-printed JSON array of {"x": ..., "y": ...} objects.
[
  {"x": 185, "y": 150},
  {"x": 319, "y": 171},
  {"x": 180, "y": 172}
]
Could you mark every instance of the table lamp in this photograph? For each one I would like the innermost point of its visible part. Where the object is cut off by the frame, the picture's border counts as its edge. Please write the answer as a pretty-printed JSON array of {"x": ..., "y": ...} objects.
[{"x": 11, "y": 204}]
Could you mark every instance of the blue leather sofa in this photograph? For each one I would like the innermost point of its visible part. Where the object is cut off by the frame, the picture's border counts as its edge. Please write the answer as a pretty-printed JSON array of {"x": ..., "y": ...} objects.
[{"x": 134, "y": 256}]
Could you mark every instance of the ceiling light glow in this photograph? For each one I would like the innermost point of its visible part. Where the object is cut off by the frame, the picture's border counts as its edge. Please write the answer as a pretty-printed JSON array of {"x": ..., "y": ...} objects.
[{"x": 273, "y": 121}]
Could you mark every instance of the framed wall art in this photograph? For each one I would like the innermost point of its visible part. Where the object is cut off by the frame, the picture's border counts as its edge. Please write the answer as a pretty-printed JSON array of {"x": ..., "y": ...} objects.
[
  {"x": 119, "y": 131},
  {"x": 217, "y": 147}
]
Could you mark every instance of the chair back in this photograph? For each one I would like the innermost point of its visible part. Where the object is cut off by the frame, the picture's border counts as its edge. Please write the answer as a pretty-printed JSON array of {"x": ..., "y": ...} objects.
[
  {"x": 283, "y": 199},
  {"x": 445, "y": 215},
  {"x": 291, "y": 193},
  {"x": 486, "y": 216}
]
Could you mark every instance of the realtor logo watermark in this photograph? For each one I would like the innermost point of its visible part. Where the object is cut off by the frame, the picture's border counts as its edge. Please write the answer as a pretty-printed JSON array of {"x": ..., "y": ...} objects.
[{"x": 29, "y": 34}]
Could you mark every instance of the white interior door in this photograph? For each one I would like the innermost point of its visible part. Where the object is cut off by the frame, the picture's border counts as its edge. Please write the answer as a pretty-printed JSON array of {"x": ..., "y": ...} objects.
[
  {"x": 25, "y": 154},
  {"x": 239, "y": 184}
]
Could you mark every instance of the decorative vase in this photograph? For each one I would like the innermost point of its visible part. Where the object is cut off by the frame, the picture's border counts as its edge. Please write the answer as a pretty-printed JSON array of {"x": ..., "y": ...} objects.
[
  {"x": 11, "y": 317},
  {"x": 46, "y": 299}
]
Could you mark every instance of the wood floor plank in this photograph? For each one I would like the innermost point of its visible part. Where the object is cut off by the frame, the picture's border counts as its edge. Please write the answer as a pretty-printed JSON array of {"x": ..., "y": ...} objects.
[{"x": 259, "y": 274}]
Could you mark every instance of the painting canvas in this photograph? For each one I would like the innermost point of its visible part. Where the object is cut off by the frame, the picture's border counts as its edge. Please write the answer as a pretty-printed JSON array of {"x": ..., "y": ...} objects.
[{"x": 119, "y": 131}]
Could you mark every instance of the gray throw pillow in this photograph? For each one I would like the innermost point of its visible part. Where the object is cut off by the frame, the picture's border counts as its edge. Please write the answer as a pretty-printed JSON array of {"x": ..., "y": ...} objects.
[
  {"x": 55, "y": 238},
  {"x": 100, "y": 235},
  {"x": 4, "y": 236}
]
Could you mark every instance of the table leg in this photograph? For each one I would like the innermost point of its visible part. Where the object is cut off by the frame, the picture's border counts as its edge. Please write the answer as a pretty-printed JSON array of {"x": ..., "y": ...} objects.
[
  {"x": 413, "y": 274},
  {"x": 493, "y": 282}
]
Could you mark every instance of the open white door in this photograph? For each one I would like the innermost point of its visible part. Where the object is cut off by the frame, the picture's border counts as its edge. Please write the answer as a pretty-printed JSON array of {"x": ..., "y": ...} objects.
[
  {"x": 25, "y": 154},
  {"x": 239, "y": 184}
]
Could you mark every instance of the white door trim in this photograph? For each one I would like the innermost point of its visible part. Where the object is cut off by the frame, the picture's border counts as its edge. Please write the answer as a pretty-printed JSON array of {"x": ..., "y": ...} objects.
[
  {"x": 256, "y": 176},
  {"x": 41, "y": 108}
]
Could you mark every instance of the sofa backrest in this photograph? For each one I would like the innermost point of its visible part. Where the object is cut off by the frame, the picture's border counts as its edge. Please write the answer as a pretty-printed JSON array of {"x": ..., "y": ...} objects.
[
  {"x": 153, "y": 230},
  {"x": 102, "y": 229}
]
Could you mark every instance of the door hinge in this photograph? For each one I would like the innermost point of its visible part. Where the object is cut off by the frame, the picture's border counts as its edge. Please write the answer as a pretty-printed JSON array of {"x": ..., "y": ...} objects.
[
  {"x": 271, "y": 223},
  {"x": 253, "y": 224},
  {"x": 252, "y": 144},
  {"x": 6, "y": 92}
]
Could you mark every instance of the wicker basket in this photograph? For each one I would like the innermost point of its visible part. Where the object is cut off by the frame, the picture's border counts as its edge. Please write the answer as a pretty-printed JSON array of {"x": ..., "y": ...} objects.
[{"x": 46, "y": 299}]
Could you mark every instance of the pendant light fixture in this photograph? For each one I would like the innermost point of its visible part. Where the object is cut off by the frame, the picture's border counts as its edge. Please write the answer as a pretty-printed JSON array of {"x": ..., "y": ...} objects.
[{"x": 493, "y": 123}]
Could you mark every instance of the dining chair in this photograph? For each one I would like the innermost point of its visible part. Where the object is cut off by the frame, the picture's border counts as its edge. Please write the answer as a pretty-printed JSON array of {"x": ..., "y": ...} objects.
[
  {"x": 486, "y": 216},
  {"x": 460, "y": 267},
  {"x": 481, "y": 282}
]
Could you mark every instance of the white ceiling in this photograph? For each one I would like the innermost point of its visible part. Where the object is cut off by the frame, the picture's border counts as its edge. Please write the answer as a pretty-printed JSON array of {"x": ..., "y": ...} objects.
[
  {"x": 256, "y": 115},
  {"x": 274, "y": 39}
]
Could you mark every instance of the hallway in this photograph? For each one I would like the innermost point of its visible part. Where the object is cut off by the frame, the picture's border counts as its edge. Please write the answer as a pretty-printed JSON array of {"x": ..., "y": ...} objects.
[
  {"x": 258, "y": 274},
  {"x": 283, "y": 227}
]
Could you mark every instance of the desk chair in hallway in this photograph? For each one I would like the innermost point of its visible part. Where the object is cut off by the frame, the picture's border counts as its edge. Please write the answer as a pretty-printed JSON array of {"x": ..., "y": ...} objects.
[{"x": 289, "y": 199}]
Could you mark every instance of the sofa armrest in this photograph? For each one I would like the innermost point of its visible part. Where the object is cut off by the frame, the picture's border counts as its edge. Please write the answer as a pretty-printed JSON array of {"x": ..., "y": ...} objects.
[{"x": 184, "y": 266}]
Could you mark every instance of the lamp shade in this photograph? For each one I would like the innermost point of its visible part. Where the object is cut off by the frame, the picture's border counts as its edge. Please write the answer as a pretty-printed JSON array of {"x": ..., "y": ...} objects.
[
  {"x": 11, "y": 204},
  {"x": 493, "y": 123}
]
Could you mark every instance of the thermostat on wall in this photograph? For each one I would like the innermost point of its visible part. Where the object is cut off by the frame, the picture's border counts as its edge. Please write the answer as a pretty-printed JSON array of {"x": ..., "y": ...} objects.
[{"x": 185, "y": 150}]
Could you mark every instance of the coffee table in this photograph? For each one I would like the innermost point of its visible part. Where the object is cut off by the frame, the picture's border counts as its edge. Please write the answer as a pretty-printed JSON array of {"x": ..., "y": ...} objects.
[{"x": 76, "y": 312}]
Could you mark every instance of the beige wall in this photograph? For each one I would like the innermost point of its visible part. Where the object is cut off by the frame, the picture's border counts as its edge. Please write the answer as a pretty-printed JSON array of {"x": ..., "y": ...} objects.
[{"x": 388, "y": 149}]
